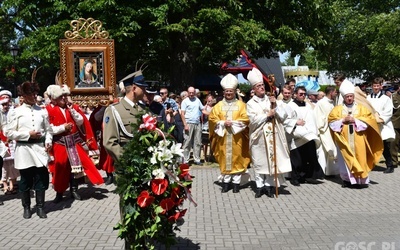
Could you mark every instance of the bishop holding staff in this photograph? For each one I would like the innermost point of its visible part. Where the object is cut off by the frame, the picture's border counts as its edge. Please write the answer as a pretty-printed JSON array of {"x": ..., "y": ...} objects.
[{"x": 263, "y": 116}]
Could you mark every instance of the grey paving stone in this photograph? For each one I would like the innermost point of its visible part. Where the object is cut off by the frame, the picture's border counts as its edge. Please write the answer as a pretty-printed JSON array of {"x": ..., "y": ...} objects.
[{"x": 305, "y": 217}]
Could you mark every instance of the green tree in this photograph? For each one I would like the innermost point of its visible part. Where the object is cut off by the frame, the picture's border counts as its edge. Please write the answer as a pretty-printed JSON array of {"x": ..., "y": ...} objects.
[
  {"x": 178, "y": 38},
  {"x": 364, "y": 41}
]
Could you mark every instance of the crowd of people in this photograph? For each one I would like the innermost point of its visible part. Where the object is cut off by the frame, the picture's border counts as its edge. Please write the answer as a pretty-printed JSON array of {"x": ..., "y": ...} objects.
[
  {"x": 295, "y": 133},
  {"x": 303, "y": 135}
]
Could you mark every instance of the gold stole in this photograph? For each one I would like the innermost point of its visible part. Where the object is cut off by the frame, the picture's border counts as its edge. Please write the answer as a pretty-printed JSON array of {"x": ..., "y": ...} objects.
[
  {"x": 229, "y": 107},
  {"x": 352, "y": 111}
]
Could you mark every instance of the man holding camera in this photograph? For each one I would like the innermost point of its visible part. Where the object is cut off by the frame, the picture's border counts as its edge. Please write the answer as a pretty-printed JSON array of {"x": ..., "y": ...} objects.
[{"x": 170, "y": 105}]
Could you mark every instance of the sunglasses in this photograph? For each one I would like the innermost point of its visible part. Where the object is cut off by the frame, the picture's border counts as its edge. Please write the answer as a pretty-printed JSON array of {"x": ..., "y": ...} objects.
[{"x": 301, "y": 94}]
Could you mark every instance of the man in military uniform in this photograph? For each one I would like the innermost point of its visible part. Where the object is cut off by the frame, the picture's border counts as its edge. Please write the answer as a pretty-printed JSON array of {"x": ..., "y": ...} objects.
[
  {"x": 117, "y": 129},
  {"x": 118, "y": 117},
  {"x": 394, "y": 147}
]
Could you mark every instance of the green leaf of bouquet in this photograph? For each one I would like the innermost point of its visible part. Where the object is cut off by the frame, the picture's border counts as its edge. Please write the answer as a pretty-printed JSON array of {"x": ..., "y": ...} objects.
[
  {"x": 171, "y": 129},
  {"x": 153, "y": 229},
  {"x": 146, "y": 141},
  {"x": 136, "y": 215},
  {"x": 155, "y": 138},
  {"x": 158, "y": 210},
  {"x": 186, "y": 183}
]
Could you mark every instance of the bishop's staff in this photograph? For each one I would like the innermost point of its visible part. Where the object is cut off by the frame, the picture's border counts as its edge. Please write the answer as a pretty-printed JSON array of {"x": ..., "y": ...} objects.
[{"x": 271, "y": 83}]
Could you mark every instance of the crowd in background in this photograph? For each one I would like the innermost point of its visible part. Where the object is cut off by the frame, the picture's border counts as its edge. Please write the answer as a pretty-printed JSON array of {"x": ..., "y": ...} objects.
[{"x": 287, "y": 133}]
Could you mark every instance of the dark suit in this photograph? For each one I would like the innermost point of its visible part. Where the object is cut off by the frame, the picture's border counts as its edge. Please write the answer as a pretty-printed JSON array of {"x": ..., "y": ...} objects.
[
  {"x": 113, "y": 137},
  {"x": 394, "y": 147}
]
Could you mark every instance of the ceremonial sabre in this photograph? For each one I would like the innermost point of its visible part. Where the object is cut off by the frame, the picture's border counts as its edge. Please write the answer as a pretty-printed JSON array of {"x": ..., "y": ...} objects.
[{"x": 273, "y": 105}]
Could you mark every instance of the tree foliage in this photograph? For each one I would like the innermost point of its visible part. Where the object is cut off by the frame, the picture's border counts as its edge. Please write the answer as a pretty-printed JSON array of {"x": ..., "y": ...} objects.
[
  {"x": 364, "y": 41},
  {"x": 178, "y": 38}
]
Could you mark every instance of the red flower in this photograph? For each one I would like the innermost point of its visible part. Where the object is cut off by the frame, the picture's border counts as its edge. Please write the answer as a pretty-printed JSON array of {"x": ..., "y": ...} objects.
[
  {"x": 177, "y": 201},
  {"x": 149, "y": 123},
  {"x": 184, "y": 169},
  {"x": 175, "y": 194},
  {"x": 177, "y": 215},
  {"x": 158, "y": 186},
  {"x": 175, "y": 191},
  {"x": 167, "y": 204},
  {"x": 144, "y": 199}
]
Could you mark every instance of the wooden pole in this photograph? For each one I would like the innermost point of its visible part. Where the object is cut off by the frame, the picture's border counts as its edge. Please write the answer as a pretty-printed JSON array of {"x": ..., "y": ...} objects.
[{"x": 273, "y": 105}]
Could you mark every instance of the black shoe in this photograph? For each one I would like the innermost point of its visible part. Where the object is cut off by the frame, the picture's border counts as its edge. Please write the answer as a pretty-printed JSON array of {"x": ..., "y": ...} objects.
[
  {"x": 75, "y": 195},
  {"x": 389, "y": 170},
  {"x": 270, "y": 192},
  {"x": 40, "y": 204},
  {"x": 236, "y": 188},
  {"x": 225, "y": 187},
  {"x": 26, "y": 204},
  {"x": 295, "y": 183},
  {"x": 1, "y": 203},
  {"x": 41, "y": 213},
  {"x": 346, "y": 184},
  {"x": 27, "y": 213},
  {"x": 110, "y": 180},
  {"x": 361, "y": 186},
  {"x": 312, "y": 181},
  {"x": 58, "y": 199},
  {"x": 258, "y": 192}
]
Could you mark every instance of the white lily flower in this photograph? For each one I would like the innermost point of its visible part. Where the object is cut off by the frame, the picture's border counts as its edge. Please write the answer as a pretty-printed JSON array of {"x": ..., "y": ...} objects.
[
  {"x": 150, "y": 149},
  {"x": 165, "y": 156},
  {"x": 153, "y": 159},
  {"x": 176, "y": 149},
  {"x": 158, "y": 173}
]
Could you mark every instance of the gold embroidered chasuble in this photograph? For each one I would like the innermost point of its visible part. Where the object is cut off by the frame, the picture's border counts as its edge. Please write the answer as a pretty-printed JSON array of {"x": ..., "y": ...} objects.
[
  {"x": 361, "y": 150},
  {"x": 231, "y": 150}
]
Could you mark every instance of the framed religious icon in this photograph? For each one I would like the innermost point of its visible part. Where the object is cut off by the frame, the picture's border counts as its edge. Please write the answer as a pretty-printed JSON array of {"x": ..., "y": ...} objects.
[{"x": 88, "y": 62}]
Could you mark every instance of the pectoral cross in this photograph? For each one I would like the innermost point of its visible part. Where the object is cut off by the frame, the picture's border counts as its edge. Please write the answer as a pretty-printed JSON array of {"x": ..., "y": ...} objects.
[{"x": 229, "y": 110}]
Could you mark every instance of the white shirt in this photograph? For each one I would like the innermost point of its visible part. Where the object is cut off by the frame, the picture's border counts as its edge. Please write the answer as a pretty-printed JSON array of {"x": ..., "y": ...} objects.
[{"x": 20, "y": 122}]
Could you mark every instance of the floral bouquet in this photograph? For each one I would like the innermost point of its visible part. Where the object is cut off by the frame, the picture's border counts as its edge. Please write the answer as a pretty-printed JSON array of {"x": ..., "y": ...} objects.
[{"x": 152, "y": 184}]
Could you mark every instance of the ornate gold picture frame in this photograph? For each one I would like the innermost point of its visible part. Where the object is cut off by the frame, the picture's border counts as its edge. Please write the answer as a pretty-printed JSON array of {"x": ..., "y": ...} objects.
[{"x": 88, "y": 63}]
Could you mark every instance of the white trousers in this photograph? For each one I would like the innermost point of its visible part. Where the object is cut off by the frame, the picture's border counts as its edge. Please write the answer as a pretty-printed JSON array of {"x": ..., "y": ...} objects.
[
  {"x": 234, "y": 177},
  {"x": 267, "y": 180}
]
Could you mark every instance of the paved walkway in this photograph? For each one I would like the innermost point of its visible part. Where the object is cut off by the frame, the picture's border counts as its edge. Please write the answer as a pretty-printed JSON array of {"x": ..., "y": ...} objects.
[{"x": 323, "y": 216}]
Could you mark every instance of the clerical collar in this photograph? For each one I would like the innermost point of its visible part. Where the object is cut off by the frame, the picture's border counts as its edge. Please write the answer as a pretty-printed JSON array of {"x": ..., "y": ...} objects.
[
  {"x": 259, "y": 99},
  {"x": 329, "y": 100},
  {"x": 349, "y": 105},
  {"x": 299, "y": 103},
  {"x": 286, "y": 101},
  {"x": 377, "y": 95}
]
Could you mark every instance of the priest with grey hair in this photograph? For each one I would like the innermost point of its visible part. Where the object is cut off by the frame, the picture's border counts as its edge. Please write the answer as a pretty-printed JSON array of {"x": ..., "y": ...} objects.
[{"x": 266, "y": 118}]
